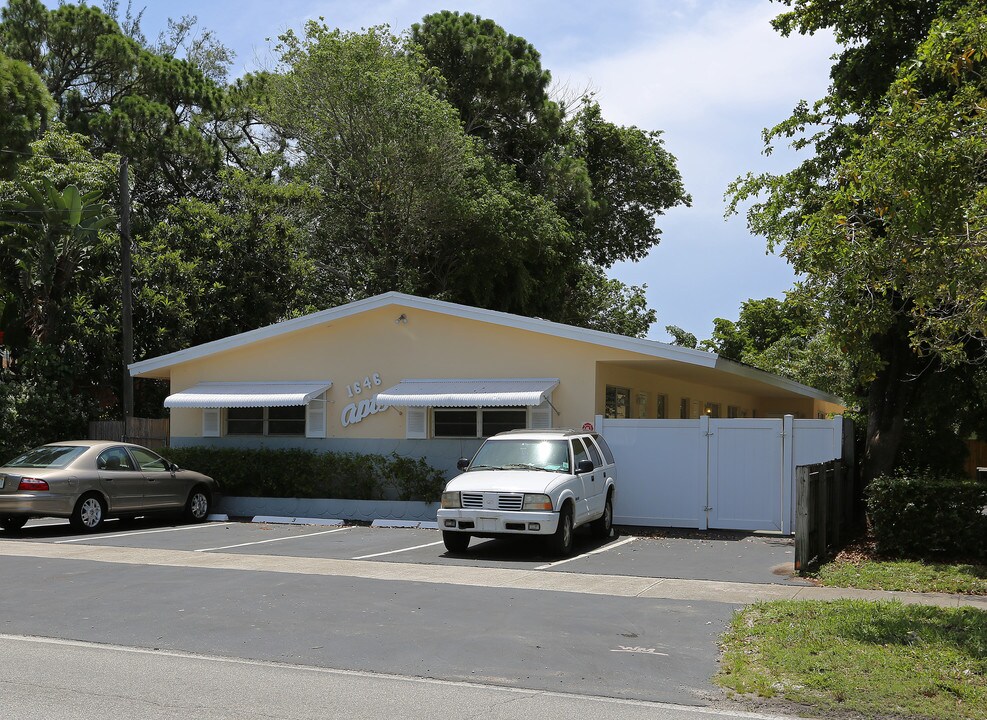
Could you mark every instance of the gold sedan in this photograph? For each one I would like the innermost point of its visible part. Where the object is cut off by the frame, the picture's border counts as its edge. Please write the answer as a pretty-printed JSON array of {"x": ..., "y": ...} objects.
[{"x": 87, "y": 481}]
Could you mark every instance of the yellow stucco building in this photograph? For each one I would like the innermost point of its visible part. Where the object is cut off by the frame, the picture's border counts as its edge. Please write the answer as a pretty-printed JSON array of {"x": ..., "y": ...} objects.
[{"x": 399, "y": 373}]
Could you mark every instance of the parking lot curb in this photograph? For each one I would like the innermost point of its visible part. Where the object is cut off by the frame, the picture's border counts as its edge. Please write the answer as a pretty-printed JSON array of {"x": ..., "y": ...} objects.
[{"x": 281, "y": 520}]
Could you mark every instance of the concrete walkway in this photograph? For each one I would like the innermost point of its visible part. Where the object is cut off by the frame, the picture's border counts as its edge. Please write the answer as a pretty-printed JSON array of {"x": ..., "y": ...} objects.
[{"x": 586, "y": 583}]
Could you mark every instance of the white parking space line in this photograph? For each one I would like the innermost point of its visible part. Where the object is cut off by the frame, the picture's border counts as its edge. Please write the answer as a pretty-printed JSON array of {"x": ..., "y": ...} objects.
[
  {"x": 605, "y": 548},
  {"x": 143, "y": 532},
  {"x": 391, "y": 552},
  {"x": 270, "y": 540}
]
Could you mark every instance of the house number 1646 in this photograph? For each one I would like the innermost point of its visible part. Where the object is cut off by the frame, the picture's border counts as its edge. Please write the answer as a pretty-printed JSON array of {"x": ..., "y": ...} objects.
[{"x": 359, "y": 386}]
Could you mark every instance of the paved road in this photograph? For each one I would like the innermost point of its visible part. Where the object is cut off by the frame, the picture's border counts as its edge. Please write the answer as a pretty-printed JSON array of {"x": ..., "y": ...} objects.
[
  {"x": 80, "y": 681},
  {"x": 383, "y": 613}
]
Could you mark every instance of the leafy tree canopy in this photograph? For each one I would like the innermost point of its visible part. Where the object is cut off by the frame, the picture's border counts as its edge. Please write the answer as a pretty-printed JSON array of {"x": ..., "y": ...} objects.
[
  {"x": 887, "y": 221},
  {"x": 495, "y": 81},
  {"x": 27, "y": 109},
  {"x": 126, "y": 97},
  {"x": 412, "y": 202}
]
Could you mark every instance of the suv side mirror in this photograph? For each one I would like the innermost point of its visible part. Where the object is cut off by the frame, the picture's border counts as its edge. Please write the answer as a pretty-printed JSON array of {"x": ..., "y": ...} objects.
[
  {"x": 463, "y": 464},
  {"x": 584, "y": 466}
]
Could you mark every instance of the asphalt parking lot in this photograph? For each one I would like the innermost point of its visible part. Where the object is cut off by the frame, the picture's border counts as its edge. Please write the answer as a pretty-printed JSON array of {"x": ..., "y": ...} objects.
[{"x": 727, "y": 557}]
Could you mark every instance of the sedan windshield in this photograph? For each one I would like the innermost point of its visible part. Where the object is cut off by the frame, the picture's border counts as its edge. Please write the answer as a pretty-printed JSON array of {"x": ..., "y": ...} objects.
[
  {"x": 551, "y": 455},
  {"x": 49, "y": 456}
]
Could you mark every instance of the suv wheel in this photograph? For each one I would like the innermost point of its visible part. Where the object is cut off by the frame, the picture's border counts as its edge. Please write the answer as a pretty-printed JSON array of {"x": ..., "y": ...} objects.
[
  {"x": 601, "y": 527},
  {"x": 456, "y": 542},
  {"x": 561, "y": 541}
]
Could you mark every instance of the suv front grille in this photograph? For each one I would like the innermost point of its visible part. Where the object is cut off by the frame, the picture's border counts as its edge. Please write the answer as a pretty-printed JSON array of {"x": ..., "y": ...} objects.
[{"x": 492, "y": 500}]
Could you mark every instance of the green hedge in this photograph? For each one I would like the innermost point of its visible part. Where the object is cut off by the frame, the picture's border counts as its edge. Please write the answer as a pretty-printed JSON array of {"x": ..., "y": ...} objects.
[
  {"x": 263, "y": 472},
  {"x": 920, "y": 514}
]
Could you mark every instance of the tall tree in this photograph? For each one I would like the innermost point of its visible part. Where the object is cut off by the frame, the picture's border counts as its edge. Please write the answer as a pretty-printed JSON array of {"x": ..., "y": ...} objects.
[
  {"x": 27, "y": 110},
  {"x": 412, "y": 202},
  {"x": 49, "y": 228},
  {"x": 497, "y": 84},
  {"x": 128, "y": 98},
  {"x": 887, "y": 221}
]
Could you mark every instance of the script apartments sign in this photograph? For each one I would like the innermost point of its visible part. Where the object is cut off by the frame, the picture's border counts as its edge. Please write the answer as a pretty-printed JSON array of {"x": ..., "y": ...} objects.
[{"x": 363, "y": 403}]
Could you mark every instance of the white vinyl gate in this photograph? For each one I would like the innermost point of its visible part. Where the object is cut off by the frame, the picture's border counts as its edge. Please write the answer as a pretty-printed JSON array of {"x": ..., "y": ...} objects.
[{"x": 728, "y": 474}]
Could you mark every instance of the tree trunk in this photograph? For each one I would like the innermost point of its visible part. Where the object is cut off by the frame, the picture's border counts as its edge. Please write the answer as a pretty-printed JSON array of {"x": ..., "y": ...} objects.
[{"x": 888, "y": 398}]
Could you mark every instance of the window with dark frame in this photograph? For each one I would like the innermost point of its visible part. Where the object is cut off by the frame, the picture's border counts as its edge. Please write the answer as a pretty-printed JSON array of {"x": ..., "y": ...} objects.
[
  {"x": 454, "y": 422},
  {"x": 661, "y": 410},
  {"x": 245, "y": 421},
  {"x": 495, "y": 420},
  {"x": 477, "y": 422},
  {"x": 618, "y": 402},
  {"x": 684, "y": 408},
  {"x": 285, "y": 421}
]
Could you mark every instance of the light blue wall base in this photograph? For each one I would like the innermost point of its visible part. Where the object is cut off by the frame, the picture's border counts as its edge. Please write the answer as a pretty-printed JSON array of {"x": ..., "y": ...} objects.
[
  {"x": 440, "y": 454},
  {"x": 364, "y": 510}
]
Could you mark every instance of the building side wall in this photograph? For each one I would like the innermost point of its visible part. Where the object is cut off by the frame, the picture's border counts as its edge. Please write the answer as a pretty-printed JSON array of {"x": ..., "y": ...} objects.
[{"x": 381, "y": 347}]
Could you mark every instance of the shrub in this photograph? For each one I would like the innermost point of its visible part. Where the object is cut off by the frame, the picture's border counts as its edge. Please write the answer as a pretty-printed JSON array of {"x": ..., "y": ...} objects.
[
  {"x": 918, "y": 513},
  {"x": 264, "y": 472},
  {"x": 39, "y": 404}
]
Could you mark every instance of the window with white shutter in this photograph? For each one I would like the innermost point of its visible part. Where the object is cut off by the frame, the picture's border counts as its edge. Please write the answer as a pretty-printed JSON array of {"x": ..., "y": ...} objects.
[
  {"x": 212, "y": 422},
  {"x": 540, "y": 417},
  {"x": 315, "y": 417},
  {"x": 416, "y": 423}
]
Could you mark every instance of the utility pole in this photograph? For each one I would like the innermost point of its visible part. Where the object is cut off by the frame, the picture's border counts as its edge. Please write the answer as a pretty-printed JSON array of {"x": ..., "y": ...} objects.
[{"x": 127, "y": 319}]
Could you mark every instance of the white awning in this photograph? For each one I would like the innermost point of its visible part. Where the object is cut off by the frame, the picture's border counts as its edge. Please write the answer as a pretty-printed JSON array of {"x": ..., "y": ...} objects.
[
  {"x": 247, "y": 394},
  {"x": 500, "y": 392}
]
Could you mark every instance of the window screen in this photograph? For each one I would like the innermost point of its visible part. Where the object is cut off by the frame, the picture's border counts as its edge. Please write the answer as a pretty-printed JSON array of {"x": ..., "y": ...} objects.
[
  {"x": 450, "y": 422},
  {"x": 286, "y": 420},
  {"x": 501, "y": 420}
]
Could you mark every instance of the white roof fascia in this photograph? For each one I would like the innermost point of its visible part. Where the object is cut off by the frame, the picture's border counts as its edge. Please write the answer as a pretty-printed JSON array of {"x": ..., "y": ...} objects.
[
  {"x": 469, "y": 392},
  {"x": 782, "y": 383},
  {"x": 651, "y": 348},
  {"x": 248, "y": 394}
]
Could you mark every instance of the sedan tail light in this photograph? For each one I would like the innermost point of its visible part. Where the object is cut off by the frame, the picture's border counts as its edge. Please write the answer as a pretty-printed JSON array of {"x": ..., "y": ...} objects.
[{"x": 32, "y": 485}]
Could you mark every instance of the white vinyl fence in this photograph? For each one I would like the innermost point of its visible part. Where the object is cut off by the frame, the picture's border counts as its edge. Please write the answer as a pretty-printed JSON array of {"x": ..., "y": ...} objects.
[{"x": 728, "y": 474}]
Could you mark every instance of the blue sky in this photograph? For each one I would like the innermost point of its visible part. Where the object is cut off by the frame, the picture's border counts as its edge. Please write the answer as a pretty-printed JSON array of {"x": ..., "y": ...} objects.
[{"x": 711, "y": 74}]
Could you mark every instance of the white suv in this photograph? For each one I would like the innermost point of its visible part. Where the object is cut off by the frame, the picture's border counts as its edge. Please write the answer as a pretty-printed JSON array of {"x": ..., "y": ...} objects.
[{"x": 531, "y": 482}]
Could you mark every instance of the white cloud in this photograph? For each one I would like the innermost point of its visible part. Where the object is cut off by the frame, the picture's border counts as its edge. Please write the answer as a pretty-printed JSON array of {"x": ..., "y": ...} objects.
[{"x": 727, "y": 61}]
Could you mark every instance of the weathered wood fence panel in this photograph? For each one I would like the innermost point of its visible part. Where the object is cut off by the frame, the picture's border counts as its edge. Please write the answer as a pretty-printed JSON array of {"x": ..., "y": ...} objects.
[
  {"x": 823, "y": 510},
  {"x": 152, "y": 432}
]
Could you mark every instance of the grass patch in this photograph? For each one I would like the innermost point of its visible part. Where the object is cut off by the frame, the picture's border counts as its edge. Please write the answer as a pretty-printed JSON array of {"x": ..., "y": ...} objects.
[
  {"x": 879, "y": 659},
  {"x": 906, "y": 575}
]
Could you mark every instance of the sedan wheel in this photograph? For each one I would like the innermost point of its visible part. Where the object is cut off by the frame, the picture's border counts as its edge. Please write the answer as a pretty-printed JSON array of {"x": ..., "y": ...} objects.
[
  {"x": 88, "y": 514},
  {"x": 12, "y": 524},
  {"x": 197, "y": 507}
]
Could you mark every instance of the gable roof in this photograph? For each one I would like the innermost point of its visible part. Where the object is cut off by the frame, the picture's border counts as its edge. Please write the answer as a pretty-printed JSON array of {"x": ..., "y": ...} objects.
[{"x": 650, "y": 348}]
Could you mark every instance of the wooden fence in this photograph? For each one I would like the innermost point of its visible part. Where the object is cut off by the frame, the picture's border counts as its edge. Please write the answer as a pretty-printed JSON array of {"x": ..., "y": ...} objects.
[
  {"x": 152, "y": 432},
  {"x": 976, "y": 457},
  {"x": 823, "y": 512}
]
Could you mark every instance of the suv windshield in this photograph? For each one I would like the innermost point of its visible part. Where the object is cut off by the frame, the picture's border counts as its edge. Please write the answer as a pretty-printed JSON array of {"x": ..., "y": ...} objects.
[
  {"x": 551, "y": 455},
  {"x": 49, "y": 456}
]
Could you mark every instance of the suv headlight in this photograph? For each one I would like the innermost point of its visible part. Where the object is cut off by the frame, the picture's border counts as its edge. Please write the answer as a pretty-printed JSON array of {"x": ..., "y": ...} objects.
[
  {"x": 451, "y": 500},
  {"x": 536, "y": 502}
]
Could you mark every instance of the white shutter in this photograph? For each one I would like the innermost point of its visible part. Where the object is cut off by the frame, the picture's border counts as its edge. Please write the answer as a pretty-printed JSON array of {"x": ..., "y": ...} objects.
[
  {"x": 540, "y": 417},
  {"x": 416, "y": 423},
  {"x": 212, "y": 422},
  {"x": 315, "y": 417}
]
